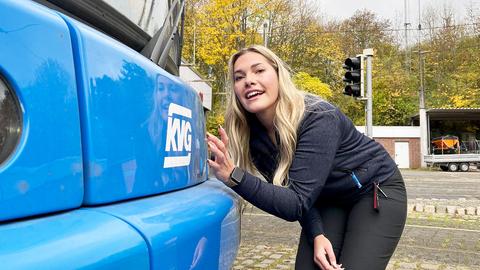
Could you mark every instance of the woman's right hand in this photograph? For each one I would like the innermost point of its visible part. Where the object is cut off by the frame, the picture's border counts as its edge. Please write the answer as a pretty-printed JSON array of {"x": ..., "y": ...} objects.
[
  {"x": 323, "y": 254},
  {"x": 222, "y": 163}
]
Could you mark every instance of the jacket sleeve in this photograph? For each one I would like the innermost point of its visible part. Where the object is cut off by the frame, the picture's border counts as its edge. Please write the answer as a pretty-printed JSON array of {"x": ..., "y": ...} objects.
[
  {"x": 312, "y": 224},
  {"x": 318, "y": 140}
]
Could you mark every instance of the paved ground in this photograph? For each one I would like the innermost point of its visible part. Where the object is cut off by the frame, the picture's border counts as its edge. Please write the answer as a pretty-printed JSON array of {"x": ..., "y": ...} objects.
[
  {"x": 442, "y": 185},
  {"x": 431, "y": 240}
]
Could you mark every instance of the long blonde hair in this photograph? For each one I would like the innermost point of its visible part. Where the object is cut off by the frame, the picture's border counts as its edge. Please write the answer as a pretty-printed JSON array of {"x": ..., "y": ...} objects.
[{"x": 289, "y": 111}]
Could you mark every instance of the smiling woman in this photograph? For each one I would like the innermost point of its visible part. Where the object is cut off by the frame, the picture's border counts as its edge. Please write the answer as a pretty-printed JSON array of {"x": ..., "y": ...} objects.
[
  {"x": 319, "y": 169},
  {"x": 256, "y": 86},
  {"x": 10, "y": 121}
]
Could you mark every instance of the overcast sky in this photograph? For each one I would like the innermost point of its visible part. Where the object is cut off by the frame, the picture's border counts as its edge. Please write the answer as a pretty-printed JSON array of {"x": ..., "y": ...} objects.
[{"x": 392, "y": 9}]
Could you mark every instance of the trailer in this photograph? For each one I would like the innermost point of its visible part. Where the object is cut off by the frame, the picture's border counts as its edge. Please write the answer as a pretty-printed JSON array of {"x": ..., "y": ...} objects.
[
  {"x": 450, "y": 154},
  {"x": 453, "y": 162}
]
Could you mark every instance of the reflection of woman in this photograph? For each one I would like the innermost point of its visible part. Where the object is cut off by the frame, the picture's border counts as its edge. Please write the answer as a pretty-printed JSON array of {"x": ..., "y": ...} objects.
[{"x": 319, "y": 169}]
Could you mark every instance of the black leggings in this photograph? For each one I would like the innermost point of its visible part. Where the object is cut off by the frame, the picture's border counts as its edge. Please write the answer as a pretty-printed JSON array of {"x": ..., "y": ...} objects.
[{"x": 362, "y": 238}]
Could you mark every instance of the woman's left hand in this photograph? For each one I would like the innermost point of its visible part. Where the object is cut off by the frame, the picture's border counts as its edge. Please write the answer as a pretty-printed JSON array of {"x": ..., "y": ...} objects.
[
  {"x": 323, "y": 254},
  {"x": 221, "y": 164}
]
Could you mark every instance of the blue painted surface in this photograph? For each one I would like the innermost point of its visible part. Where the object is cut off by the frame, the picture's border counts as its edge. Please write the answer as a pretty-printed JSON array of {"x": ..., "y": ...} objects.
[
  {"x": 79, "y": 239},
  {"x": 131, "y": 116},
  {"x": 45, "y": 172},
  {"x": 125, "y": 102},
  {"x": 194, "y": 228}
]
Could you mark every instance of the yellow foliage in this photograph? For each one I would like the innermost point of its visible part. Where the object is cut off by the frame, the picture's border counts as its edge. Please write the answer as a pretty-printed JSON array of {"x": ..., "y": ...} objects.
[
  {"x": 461, "y": 101},
  {"x": 312, "y": 85}
]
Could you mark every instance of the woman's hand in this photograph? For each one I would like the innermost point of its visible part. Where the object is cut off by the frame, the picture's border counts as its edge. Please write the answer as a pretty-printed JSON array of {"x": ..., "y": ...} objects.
[
  {"x": 221, "y": 164},
  {"x": 323, "y": 254}
]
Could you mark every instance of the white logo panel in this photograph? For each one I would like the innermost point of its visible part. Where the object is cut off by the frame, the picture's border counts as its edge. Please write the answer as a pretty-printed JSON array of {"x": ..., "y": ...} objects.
[{"x": 179, "y": 136}]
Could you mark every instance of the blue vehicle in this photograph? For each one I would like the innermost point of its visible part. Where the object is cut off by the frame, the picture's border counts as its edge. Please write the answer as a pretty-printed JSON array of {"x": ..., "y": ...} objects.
[{"x": 102, "y": 150}]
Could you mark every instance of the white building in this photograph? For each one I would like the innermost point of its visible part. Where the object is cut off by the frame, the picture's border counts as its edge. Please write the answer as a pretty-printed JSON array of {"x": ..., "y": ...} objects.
[{"x": 401, "y": 142}]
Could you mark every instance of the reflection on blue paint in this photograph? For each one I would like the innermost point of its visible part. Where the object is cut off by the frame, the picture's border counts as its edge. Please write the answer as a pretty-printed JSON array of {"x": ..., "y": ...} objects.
[
  {"x": 45, "y": 173},
  {"x": 124, "y": 104}
]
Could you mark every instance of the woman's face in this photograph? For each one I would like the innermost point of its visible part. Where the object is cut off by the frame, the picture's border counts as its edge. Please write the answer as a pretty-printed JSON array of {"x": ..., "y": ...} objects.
[{"x": 255, "y": 83}]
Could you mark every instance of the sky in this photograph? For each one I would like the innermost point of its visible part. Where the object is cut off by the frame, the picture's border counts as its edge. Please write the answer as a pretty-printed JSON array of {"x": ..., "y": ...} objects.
[{"x": 392, "y": 9}]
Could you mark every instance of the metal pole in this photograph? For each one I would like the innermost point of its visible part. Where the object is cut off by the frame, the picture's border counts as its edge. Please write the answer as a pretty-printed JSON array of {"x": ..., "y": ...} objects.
[
  {"x": 422, "y": 83},
  {"x": 421, "y": 96},
  {"x": 368, "y": 53},
  {"x": 406, "y": 24},
  {"x": 194, "y": 43},
  {"x": 369, "y": 97},
  {"x": 422, "y": 113},
  {"x": 265, "y": 39}
]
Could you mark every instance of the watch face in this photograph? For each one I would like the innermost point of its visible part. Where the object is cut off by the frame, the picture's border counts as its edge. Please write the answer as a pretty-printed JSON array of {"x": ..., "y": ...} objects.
[{"x": 237, "y": 175}]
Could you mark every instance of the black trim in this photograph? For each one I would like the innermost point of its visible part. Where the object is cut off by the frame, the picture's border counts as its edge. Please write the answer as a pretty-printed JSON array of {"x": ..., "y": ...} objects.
[
  {"x": 102, "y": 17},
  {"x": 159, "y": 47}
]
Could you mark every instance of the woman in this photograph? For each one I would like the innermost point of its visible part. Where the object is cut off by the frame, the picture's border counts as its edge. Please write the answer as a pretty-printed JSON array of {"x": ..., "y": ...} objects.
[{"x": 342, "y": 186}]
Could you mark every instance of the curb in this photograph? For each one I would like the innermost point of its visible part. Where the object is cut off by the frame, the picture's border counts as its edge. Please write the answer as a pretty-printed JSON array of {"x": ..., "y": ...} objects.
[{"x": 459, "y": 208}]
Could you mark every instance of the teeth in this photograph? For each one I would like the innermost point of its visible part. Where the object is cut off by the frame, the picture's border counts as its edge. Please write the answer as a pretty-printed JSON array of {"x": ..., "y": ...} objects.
[{"x": 253, "y": 93}]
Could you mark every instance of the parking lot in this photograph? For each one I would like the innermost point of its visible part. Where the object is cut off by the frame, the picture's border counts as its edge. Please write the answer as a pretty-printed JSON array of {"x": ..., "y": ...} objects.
[{"x": 430, "y": 184}]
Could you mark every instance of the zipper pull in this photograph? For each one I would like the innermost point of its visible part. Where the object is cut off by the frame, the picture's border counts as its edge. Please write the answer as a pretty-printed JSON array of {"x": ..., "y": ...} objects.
[
  {"x": 376, "y": 205},
  {"x": 355, "y": 179},
  {"x": 381, "y": 191}
]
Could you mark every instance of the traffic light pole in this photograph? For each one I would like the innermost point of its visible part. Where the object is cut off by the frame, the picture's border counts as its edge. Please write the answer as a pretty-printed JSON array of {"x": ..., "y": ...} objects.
[
  {"x": 354, "y": 79},
  {"x": 368, "y": 54}
]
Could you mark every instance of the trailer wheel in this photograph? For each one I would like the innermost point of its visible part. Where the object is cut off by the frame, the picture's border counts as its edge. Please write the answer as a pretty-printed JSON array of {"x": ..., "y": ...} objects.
[
  {"x": 464, "y": 167},
  {"x": 444, "y": 168},
  {"x": 453, "y": 167}
]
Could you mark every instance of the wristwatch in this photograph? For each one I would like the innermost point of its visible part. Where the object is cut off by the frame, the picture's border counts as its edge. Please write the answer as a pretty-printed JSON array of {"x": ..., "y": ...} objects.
[{"x": 236, "y": 176}]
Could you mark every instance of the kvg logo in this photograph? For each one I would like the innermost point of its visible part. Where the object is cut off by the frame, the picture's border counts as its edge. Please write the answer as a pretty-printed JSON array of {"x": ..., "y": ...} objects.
[{"x": 179, "y": 136}]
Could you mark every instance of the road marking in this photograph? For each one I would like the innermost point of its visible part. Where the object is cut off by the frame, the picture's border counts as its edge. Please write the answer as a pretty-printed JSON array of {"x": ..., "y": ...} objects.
[
  {"x": 258, "y": 214},
  {"x": 407, "y": 225},
  {"x": 415, "y": 247},
  {"x": 441, "y": 228}
]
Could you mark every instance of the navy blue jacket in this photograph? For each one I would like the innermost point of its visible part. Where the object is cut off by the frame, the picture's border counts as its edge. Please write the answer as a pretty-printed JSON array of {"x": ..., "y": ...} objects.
[{"x": 330, "y": 155}]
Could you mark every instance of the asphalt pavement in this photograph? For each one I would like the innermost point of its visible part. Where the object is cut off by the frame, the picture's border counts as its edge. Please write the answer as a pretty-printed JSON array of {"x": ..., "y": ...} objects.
[
  {"x": 432, "y": 184},
  {"x": 435, "y": 237}
]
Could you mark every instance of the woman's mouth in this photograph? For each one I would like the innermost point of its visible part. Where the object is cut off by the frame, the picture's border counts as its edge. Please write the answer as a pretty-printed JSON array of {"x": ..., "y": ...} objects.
[{"x": 252, "y": 94}]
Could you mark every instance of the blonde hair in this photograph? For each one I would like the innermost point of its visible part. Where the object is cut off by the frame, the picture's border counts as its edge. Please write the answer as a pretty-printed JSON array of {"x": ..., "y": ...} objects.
[{"x": 289, "y": 111}]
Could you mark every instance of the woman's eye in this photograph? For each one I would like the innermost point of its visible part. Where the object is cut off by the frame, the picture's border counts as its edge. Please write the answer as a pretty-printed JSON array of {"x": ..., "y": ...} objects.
[
  {"x": 260, "y": 70},
  {"x": 238, "y": 78}
]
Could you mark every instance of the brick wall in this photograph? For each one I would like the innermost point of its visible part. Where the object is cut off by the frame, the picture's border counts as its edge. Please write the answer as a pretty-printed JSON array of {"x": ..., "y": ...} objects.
[{"x": 414, "y": 148}]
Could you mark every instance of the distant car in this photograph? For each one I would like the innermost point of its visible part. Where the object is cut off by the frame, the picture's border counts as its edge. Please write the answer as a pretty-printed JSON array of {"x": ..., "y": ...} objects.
[{"x": 102, "y": 151}]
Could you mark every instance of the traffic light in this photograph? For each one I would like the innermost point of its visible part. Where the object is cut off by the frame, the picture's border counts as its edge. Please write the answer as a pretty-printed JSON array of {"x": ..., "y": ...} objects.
[{"x": 353, "y": 76}]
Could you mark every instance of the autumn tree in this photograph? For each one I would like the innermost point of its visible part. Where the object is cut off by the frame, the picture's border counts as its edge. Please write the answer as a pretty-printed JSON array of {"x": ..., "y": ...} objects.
[
  {"x": 221, "y": 27},
  {"x": 310, "y": 84},
  {"x": 315, "y": 50},
  {"x": 451, "y": 72},
  {"x": 393, "y": 92},
  {"x": 214, "y": 30}
]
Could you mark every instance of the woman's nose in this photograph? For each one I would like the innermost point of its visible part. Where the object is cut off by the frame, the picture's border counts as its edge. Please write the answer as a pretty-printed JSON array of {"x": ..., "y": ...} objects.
[{"x": 249, "y": 80}]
